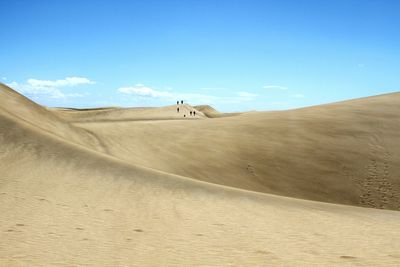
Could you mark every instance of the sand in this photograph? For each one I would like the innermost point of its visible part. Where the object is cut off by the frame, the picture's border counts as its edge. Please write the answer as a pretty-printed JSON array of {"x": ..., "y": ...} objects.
[{"x": 146, "y": 187}]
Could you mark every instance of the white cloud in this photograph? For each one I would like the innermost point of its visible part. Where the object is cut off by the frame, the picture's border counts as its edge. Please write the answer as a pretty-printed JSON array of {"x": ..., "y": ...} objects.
[
  {"x": 275, "y": 87},
  {"x": 4, "y": 78},
  {"x": 69, "y": 81},
  {"x": 212, "y": 88},
  {"x": 197, "y": 98},
  {"x": 246, "y": 94},
  {"x": 77, "y": 95},
  {"x": 34, "y": 91},
  {"x": 144, "y": 91},
  {"x": 279, "y": 103},
  {"x": 49, "y": 88},
  {"x": 361, "y": 65},
  {"x": 141, "y": 90},
  {"x": 297, "y": 96}
]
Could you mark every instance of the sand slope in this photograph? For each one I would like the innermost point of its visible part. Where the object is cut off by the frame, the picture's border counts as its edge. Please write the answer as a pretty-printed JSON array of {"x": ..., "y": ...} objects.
[
  {"x": 66, "y": 204},
  {"x": 344, "y": 153},
  {"x": 210, "y": 112},
  {"x": 127, "y": 114},
  {"x": 22, "y": 109}
]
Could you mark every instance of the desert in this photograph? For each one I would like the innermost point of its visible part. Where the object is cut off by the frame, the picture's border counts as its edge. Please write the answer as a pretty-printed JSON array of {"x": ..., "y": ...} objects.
[
  {"x": 200, "y": 133},
  {"x": 134, "y": 187}
]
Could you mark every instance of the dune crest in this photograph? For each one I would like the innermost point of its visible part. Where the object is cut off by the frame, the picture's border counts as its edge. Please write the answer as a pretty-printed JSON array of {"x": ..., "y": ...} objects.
[
  {"x": 66, "y": 200},
  {"x": 344, "y": 153}
]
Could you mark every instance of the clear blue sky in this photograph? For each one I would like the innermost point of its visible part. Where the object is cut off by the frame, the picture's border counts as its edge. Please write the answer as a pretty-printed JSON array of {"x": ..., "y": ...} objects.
[{"x": 234, "y": 55}]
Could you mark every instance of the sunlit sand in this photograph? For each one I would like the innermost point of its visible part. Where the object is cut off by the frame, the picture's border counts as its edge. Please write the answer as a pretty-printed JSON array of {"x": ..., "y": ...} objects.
[{"x": 150, "y": 186}]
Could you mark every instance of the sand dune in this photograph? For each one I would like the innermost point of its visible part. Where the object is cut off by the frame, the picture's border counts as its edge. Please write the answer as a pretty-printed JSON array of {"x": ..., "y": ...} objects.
[
  {"x": 340, "y": 153},
  {"x": 127, "y": 114},
  {"x": 210, "y": 112},
  {"x": 67, "y": 202},
  {"x": 22, "y": 109}
]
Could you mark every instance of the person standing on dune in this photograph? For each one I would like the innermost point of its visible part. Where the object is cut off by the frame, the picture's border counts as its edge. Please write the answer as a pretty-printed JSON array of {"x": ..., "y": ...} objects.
[
  {"x": 177, "y": 109},
  {"x": 194, "y": 112},
  {"x": 190, "y": 113}
]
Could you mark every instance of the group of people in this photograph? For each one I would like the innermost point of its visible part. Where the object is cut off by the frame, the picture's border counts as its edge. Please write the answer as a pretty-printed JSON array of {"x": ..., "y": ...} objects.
[{"x": 192, "y": 113}]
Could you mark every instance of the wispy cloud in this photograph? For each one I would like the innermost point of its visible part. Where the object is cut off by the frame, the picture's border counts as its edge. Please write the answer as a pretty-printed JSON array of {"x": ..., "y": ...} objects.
[
  {"x": 246, "y": 94},
  {"x": 77, "y": 95},
  {"x": 50, "y": 88},
  {"x": 297, "y": 96},
  {"x": 4, "y": 78},
  {"x": 288, "y": 92},
  {"x": 212, "y": 88},
  {"x": 34, "y": 91},
  {"x": 275, "y": 87},
  {"x": 361, "y": 65},
  {"x": 69, "y": 81},
  {"x": 142, "y": 91}
]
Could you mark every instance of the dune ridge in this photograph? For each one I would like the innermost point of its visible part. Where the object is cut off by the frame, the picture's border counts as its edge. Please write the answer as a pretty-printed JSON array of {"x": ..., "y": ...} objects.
[
  {"x": 65, "y": 202},
  {"x": 20, "y": 107},
  {"x": 127, "y": 114},
  {"x": 343, "y": 152}
]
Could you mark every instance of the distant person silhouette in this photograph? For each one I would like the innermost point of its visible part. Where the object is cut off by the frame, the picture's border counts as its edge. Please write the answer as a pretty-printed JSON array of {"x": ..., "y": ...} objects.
[
  {"x": 184, "y": 116},
  {"x": 181, "y": 101},
  {"x": 194, "y": 112},
  {"x": 190, "y": 113},
  {"x": 177, "y": 109}
]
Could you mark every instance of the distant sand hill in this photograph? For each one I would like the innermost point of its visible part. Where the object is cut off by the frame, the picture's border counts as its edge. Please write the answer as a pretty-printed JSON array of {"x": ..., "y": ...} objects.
[
  {"x": 149, "y": 187},
  {"x": 340, "y": 153}
]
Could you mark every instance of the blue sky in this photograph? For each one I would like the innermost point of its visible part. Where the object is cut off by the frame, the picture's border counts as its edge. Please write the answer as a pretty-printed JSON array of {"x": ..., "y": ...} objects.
[{"x": 234, "y": 55}]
